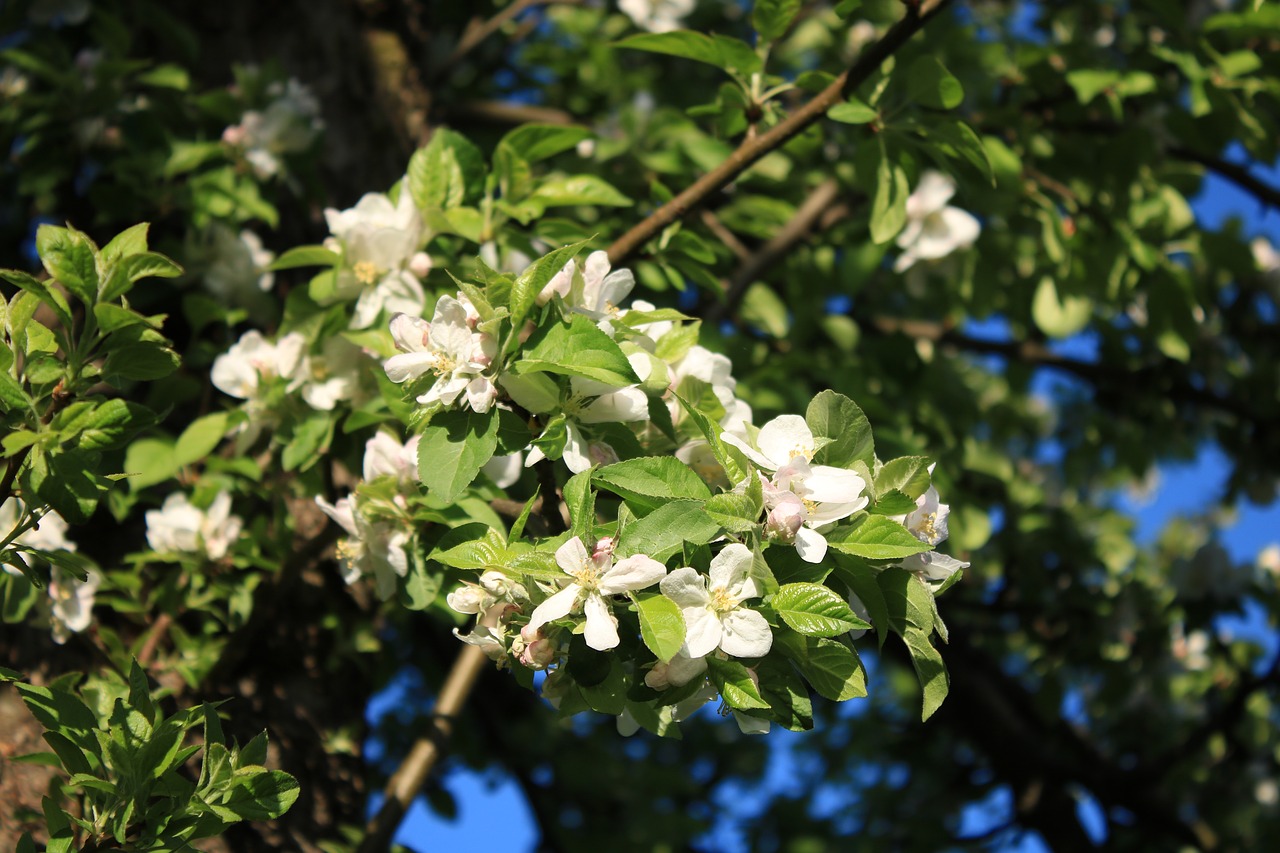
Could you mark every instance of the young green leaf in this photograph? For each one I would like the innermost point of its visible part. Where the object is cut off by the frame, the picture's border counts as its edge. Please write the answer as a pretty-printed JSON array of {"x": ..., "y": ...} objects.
[{"x": 814, "y": 610}]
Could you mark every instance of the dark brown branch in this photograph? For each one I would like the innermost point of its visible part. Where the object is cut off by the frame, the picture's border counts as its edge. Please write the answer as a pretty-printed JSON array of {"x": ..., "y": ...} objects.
[
  {"x": 793, "y": 232},
  {"x": 1234, "y": 172},
  {"x": 754, "y": 149},
  {"x": 477, "y": 31}
]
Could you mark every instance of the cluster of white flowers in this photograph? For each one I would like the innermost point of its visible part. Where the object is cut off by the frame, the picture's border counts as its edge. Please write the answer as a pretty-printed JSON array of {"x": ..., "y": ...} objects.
[
  {"x": 180, "y": 527},
  {"x": 379, "y": 532},
  {"x": 255, "y": 366},
  {"x": 449, "y": 348},
  {"x": 380, "y": 243},
  {"x": 70, "y": 600},
  {"x": 287, "y": 125},
  {"x": 800, "y": 497},
  {"x": 238, "y": 266}
]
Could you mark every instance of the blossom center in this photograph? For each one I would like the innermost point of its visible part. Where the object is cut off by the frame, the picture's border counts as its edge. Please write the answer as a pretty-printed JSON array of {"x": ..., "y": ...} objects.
[
  {"x": 721, "y": 601},
  {"x": 348, "y": 550},
  {"x": 366, "y": 272},
  {"x": 927, "y": 525},
  {"x": 588, "y": 577},
  {"x": 803, "y": 451}
]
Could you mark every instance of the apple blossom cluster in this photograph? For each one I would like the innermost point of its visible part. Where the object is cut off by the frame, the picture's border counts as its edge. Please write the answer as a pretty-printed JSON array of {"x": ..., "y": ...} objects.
[
  {"x": 287, "y": 124},
  {"x": 28, "y": 541},
  {"x": 664, "y": 550}
]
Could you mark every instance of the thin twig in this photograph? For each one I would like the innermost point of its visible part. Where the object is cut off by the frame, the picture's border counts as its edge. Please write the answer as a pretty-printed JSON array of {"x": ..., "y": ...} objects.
[
  {"x": 793, "y": 232},
  {"x": 412, "y": 773},
  {"x": 158, "y": 631},
  {"x": 724, "y": 235},
  {"x": 750, "y": 151},
  {"x": 503, "y": 112},
  {"x": 476, "y": 32}
]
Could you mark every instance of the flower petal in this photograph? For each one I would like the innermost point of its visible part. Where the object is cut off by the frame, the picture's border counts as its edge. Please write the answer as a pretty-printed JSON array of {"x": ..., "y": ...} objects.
[
  {"x": 686, "y": 587},
  {"x": 784, "y": 437},
  {"x": 572, "y": 556},
  {"x": 554, "y": 607},
  {"x": 601, "y": 633},
  {"x": 810, "y": 545},
  {"x": 702, "y": 632},
  {"x": 731, "y": 570},
  {"x": 635, "y": 572},
  {"x": 746, "y": 634}
]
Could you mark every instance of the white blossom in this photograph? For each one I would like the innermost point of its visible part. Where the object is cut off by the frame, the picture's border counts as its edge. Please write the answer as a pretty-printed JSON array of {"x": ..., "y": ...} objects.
[
  {"x": 181, "y": 527},
  {"x": 379, "y": 242},
  {"x": 932, "y": 566},
  {"x": 595, "y": 576},
  {"x": 448, "y": 348},
  {"x": 238, "y": 271},
  {"x": 288, "y": 124},
  {"x": 928, "y": 521},
  {"x": 934, "y": 229},
  {"x": 72, "y": 602},
  {"x": 246, "y": 370},
  {"x": 713, "y": 610},
  {"x": 374, "y": 548},
  {"x": 598, "y": 294},
  {"x": 49, "y": 534},
  {"x": 657, "y": 16},
  {"x": 385, "y": 456},
  {"x": 332, "y": 375}
]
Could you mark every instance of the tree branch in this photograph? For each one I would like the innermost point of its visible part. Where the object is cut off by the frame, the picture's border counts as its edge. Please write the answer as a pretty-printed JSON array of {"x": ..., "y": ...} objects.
[
  {"x": 793, "y": 232},
  {"x": 477, "y": 31},
  {"x": 752, "y": 150},
  {"x": 1234, "y": 172},
  {"x": 503, "y": 112},
  {"x": 412, "y": 773}
]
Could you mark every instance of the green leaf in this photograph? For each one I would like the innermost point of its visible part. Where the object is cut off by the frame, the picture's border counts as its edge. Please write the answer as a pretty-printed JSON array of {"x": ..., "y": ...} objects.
[
  {"x": 931, "y": 84},
  {"x": 577, "y": 348},
  {"x": 711, "y": 432},
  {"x": 132, "y": 268},
  {"x": 661, "y": 624},
  {"x": 733, "y": 680},
  {"x": 814, "y": 610},
  {"x": 111, "y": 425},
  {"x": 151, "y": 461},
  {"x": 875, "y": 537},
  {"x": 58, "y": 710},
  {"x": 650, "y": 481},
  {"x": 69, "y": 256},
  {"x": 853, "y": 111},
  {"x": 720, "y": 51},
  {"x": 263, "y": 796},
  {"x": 307, "y": 441},
  {"x": 608, "y": 695},
  {"x": 909, "y": 605},
  {"x": 889, "y": 202},
  {"x": 665, "y": 531},
  {"x": 578, "y": 189},
  {"x": 448, "y": 171},
  {"x": 20, "y": 313},
  {"x": 788, "y": 698},
  {"x": 581, "y": 502},
  {"x": 306, "y": 256},
  {"x": 772, "y": 17},
  {"x": 956, "y": 139},
  {"x": 66, "y": 481},
  {"x": 908, "y": 475},
  {"x": 930, "y": 671},
  {"x": 166, "y": 77},
  {"x": 200, "y": 438},
  {"x": 764, "y": 309},
  {"x": 527, "y": 286},
  {"x": 12, "y": 395},
  {"x": 535, "y": 142},
  {"x": 892, "y": 502},
  {"x": 832, "y": 667},
  {"x": 863, "y": 581},
  {"x": 1059, "y": 315},
  {"x": 146, "y": 360},
  {"x": 453, "y": 449},
  {"x": 735, "y": 513},
  {"x": 834, "y": 416},
  {"x": 130, "y": 241}
]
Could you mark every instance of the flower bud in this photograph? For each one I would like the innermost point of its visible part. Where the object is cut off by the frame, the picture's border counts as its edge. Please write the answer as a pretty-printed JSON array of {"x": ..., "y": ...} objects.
[
  {"x": 784, "y": 521},
  {"x": 469, "y": 598},
  {"x": 420, "y": 264}
]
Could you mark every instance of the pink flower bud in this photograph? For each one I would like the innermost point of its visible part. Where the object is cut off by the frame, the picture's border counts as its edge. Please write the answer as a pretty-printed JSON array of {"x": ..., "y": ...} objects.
[{"x": 420, "y": 264}]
